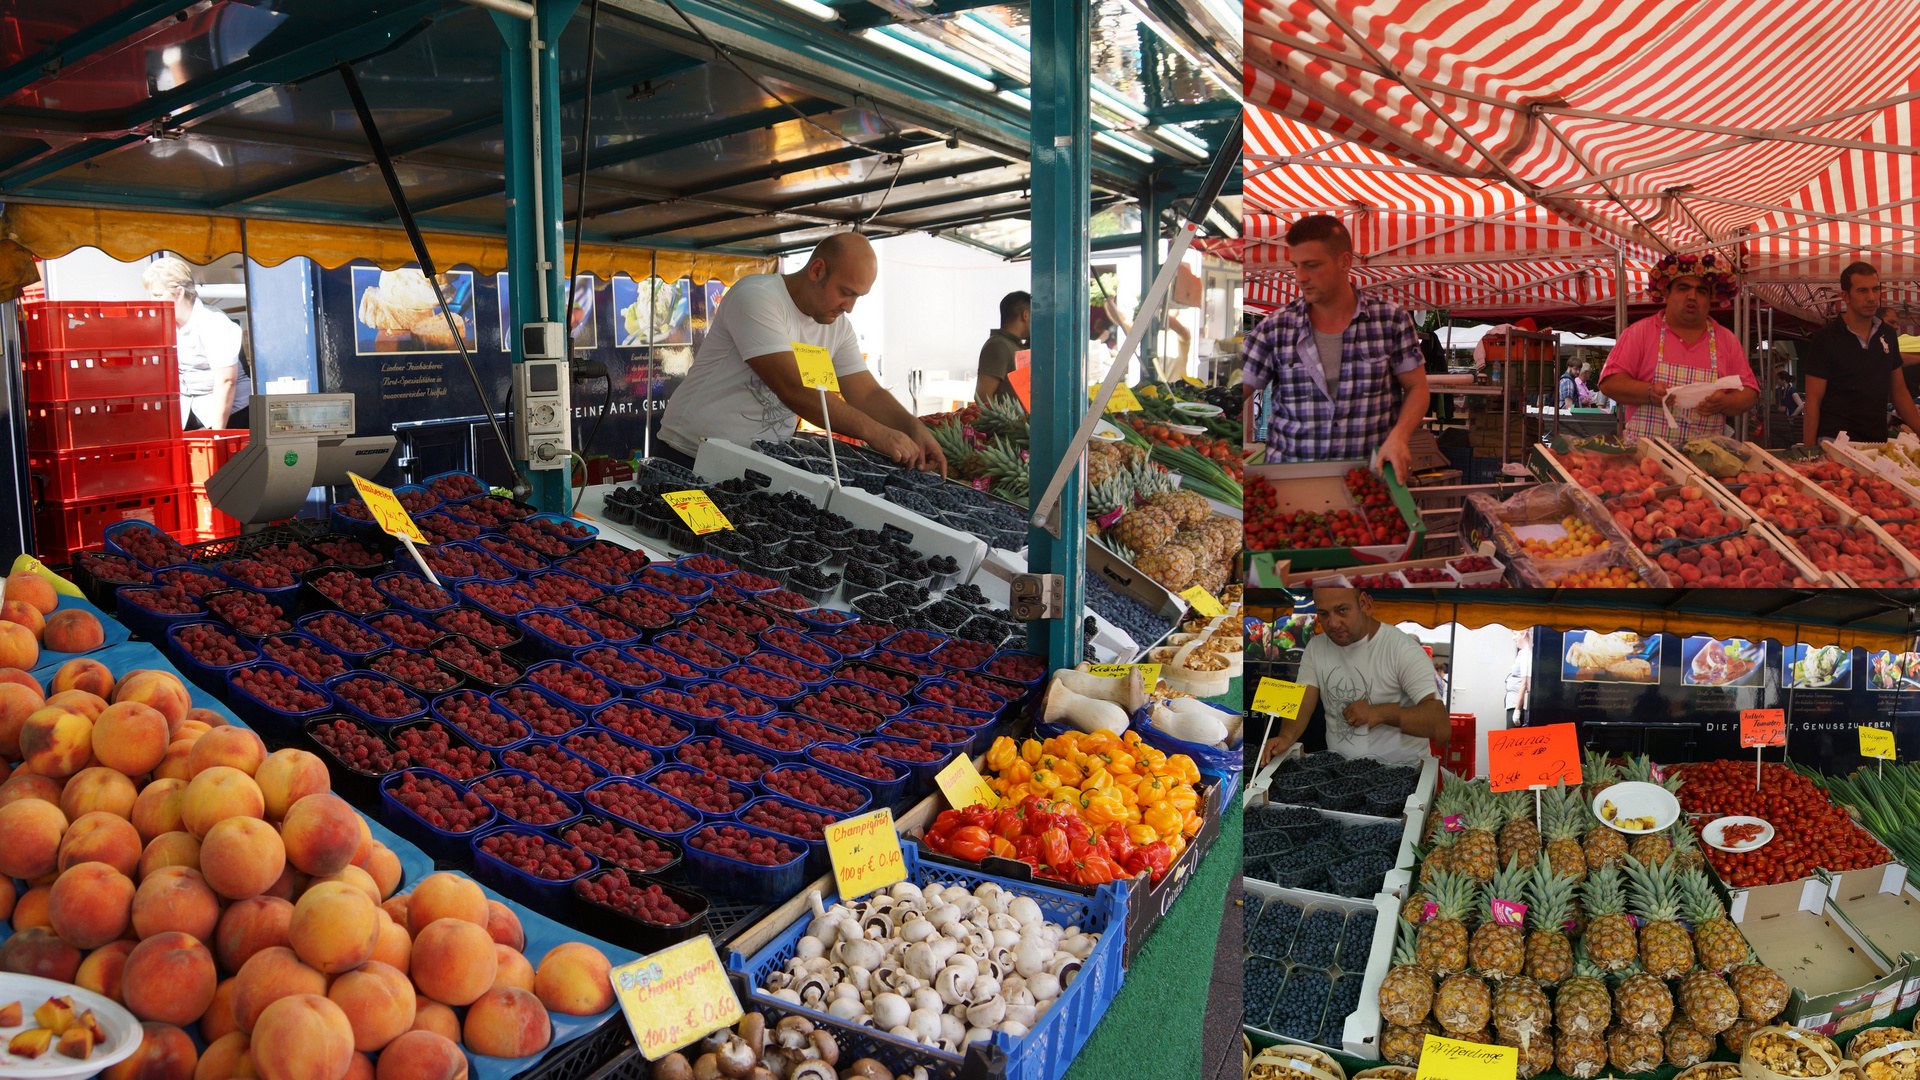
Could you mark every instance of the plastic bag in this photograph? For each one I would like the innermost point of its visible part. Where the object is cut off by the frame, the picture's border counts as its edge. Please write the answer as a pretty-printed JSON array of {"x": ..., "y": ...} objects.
[{"x": 1692, "y": 394}]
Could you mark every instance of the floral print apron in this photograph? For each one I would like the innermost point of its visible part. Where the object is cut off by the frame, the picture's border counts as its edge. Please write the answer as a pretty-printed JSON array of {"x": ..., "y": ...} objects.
[{"x": 1652, "y": 420}]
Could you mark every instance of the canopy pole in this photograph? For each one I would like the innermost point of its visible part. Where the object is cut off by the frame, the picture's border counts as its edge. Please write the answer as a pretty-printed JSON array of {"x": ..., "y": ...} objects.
[{"x": 1619, "y": 294}]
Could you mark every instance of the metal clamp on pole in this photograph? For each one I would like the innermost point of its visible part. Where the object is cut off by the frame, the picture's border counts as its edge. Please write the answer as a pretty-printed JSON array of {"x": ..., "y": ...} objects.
[{"x": 1046, "y": 510}]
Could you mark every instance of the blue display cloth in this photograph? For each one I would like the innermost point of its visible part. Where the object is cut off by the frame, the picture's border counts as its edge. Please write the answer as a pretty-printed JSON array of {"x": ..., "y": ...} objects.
[{"x": 542, "y": 933}]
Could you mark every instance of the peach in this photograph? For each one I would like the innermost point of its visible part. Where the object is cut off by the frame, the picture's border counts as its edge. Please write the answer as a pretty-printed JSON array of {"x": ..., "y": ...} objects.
[
  {"x": 504, "y": 926},
  {"x": 87, "y": 704},
  {"x": 302, "y": 1037},
  {"x": 430, "y": 1015},
  {"x": 572, "y": 979},
  {"x": 30, "y": 785},
  {"x": 422, "y": 1054},
  {"x": 159, "y": 808},
  {"x": 22, "y": 678},
  {"x": 248, "y": 926},
  {"x": 30, "y": 588},
  {"x": 56, "y": 742},
  {"x": 241, "y": 856},
  {"x": 218, "y": 1020},
  {"x": 359, "y": 1067},
  {"x": 237, "y": 747},
  {"x": 396, "y": 907},
  {"x": 514, "y": 970},
  {"x": 166, "y": 1053},
  {"x": 130, "y": 737},
  {"x": 267, "y": 976},
  {"x": 508, "y": 1022},
  {"x": 161, "y": 689},
  {"x": 8, "y": 895},
  {"x": 175, "y": 899},
  {"x": 16, "y": 704},
  {"x": 334, "y": 927},
  {"x": 322, "y": 833},
  {"x": 378, "y": 1001},
  {"x": 18, "y": 647},
  {"x": 287, "y": 776},
  {"x": 173, "y": 766},
  {"x": 189, "y": 731},
  {"x": 453, "y": 961},
  {"x": 396, "y": 947},
  {"x": 169, "y": 977},
  {"x": 100, "y": 971},
  {"x": 73, "y": 631},
  {"x": 32, "y": 908},
  {"x": 207, "y": 717},
  {"x": 383, "y": 866},
  {"x": 169, "y": 849},
  {"x": 289, "y": 884},
  {"x": 30, "y": 832},
  {"x": 90, "y": 905},
  {"x": 37, "y": 950},
  {"x": 98, "y": 788},
  {"x": 219, "y": 793},
  {"x": 100, "y": 837},
  {"x": 228, "y": 1057},
  {"x": 354, "y": 876},
  {"x": 25, "y": 614},
  {"x": 446, "y": 896},
  {"x": 80, "y": 673}
]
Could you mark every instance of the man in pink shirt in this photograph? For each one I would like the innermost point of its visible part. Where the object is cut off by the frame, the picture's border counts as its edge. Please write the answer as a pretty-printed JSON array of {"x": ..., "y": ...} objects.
[{"x": 1679, "y": 346}]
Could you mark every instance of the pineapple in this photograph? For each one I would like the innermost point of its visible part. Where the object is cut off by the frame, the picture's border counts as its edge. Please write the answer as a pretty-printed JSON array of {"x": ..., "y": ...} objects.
[
  {"x": 1213, "y": 576},
  {"x": 1186, "y": 507},
  {"x": 1610, "y": 937},
  {"x": 1580, "y": 1054},
  {"x": 1143, "y": 529},
  {"x": 1499, "y": 950},
  {"x": 1002, "y": 416},
  {"x": 1718, "y": 943},
  {"x": 1761, "y": 990},
  {"x": 1641, "y": 1002},
  {"x": 1666, "y": 949},
  {"x": 1549, "y": 955},
  {"x": 1598, "y": 772},
  {"x": 1602, "y": 843},
  {"x": 1635, "y": 1051},
  {"x": 1735, "y": 1037},
  {"x": 1172, "y": 565},
  {"x": 1463, "y": 1003},
  {"x": 1520, "y": 836},
  {"x": 1686, "y": 848},
  {"x": 1402, "y": 1045},
  {"x": 1448, "y": 803},
  {"x": 1708, "y": 1003},
  {"x": 1442, "y": 855},
  {"x": 1522, "y": 1013},
  {"x": 1406, "y": 995},
  {"x": 1536, "y": 1052},
  {"x": 1415, "y": 909},
  {"x": 1477, "y": 848},
  {"x": 1687, "y": 1045},
  {"x": 1583, "y": 1004},
  {"x": 1106, "y": 496},
  {"x": 1562, "y": 830},
  {"x": 1441, "y": 946}
]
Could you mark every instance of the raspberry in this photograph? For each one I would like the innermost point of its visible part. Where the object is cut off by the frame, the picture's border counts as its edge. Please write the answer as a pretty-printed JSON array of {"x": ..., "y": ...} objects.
[
  {"x": 476, "y": 626},
  {"x": 1020, "y": 667},
  {"x": 961, "y": 653},
  {"x": 866, "y": 698},
  {"x": 452, "y": 561},
  {"x": 488, "y": 666},
  {"x": 355, "y": 509},
  {"x": 560, "y": 630},
  {"x": 314, "y": 664},
  {"x": 620, "y": 846},
  {"x": 277, "y": 690},
  {"x": 740, "y": 618},
  {"x": 538, "y": 540},
  {"x": 427, "y": 744},
  {"x": 500, "y": 599},
  {"x": 912, "y": 665},
  {"x": 700, "y": 790},
  {"x": 739, "y": 700},
  {"x": 572, "y": 682},
  {"x": 248, "y": 613},
  {"x": 815, "y": 788},
  {"x": 878, "y": 678},
  {"x": 405, "y": 630},
  {"x": 481, "y": 719},
  {"x": 440, "y": 529},
  {"x": 610, "y": 753},
  {"x": 259, "y": 575},
  {"x": 501, "y": 508},
  {"x": 293, "y": 557},
  {"x": 787, "y": 667},
  {"x": 962, "y": 697},
  {"x": 345, "y": 552},
  {"x": 537, "y": 855},
  {"x": 998, "y": 687},
  {"x": 742, "y": 846},
  {"x": 693, "y": 650},
  {"x": 539, "y": 713},
  {"x": 800, "y": 646},
  {"x": 357, "y": 747},
  {"x": 554, "y": 765},
  {"x": 625, "y": 560},
  {"x": 564, "y": 529},
  {"x": 151, "y": 546},
  {"x": 760, "y": 682},
  {"x": 641, "y": 724},
  {"x": 786, "y": 733},
  {"x": 688, "y": 704},
  {"x": 755, "y": 583},
  {"x": 344, "y": 634},
  {"x": 712, "y": 565},
  {"x": 112, "y": 568},
  {"x": 787, "y": 819},
  {"x": 896, "y": 750},
  {"x": 523, "y": 800},
  {"x": 474, "y": 515},
  {"x": 547, "y": 590},
  {"x": 677, "y": 584},
  {"x": 610, "y": 663},
  {"x": 579, "y": 590},
  {"x": 440, "y": 805},
  {"x": 511, "y": 553},
  {"x": 866, "y": 630},
  {"x": 642, "y": 806},
  {"x": 827, "y": 615},
  {"x": 785, "y": 599},
  {"x": 212, "y": 646},
  {"x": 414, "y": 591},
  {"x": 840, "y": 714},
  {"x": 592, "y": 571},
  {"x": 915, "y": 641},
  {"x": 713, "y": 756},
  {"x": 719, "y": 636},
  {"x": 647, "y": 903},
  {"x": 665, "y": 663},
  {"x": 383, "y": 698},
  {"x": 858, "y": 762},
  {"x": 454, "y": 486},
  {"x": 416, "y": 670},
  {"x": 918, "y": 729},
  {"x": 192, "y": 582},
  {"x": 601, "y": 623}
]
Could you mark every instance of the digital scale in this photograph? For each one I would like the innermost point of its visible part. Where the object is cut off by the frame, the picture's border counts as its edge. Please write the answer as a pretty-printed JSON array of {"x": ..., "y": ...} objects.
[{"x": 298, "y": 442}]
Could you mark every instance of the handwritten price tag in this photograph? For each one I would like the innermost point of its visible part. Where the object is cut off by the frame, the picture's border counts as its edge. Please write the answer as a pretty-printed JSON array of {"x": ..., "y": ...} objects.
[
  {"x": 697, "y": 511},
  {"x": 1149, "y": 673},
  {"x": 387, "y": 511},
  {"x": 1508, "y": 913},
  {"x": 1876, "y": 742},
  {"x": 1203, "y": 601},
  {"x": 1121, "y": 401},
  {"x": 963, "y": 787},
  {"x": 1763, "y": 727},
  {"x": 1021, "y": 379},
  {"x": 675, "y": 997},
  {"x": 1280, "y": 698},
  {"x": 1527, "y": 757},
  {"x": 816, "y": 367},
  {"x": 865, "y": 851},
  {"x": 1452, "y": 1059}
]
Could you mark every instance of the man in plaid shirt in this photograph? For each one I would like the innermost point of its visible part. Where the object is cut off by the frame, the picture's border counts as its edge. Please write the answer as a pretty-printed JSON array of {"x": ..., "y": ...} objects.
[{"x": 1332, "y": 358}]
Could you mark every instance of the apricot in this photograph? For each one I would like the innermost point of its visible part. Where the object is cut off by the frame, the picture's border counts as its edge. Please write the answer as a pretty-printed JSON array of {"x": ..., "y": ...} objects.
[
  {"x": 24, "y": 614},
  {"x": 18, "y": 647},
  {"x": 98, "y": 788},
  {"x": 73, "y": 631},
  {"x": 30, "y": 785},
  {"x": 160, "y": 689},
  {"x": 32, "y": 908},
  {"x": 241, "y": 856},
  {"x": 37, "y": 950},
  {"x": 378, "y": 1001},
  {"x": 430, "y": 1015},
  {"x": 166, "y": 1053},
  {"x": 56, "y": 742},
  {"x": 287, "y": 776},
  {"x": 250, "y": 925},
  {"x": 334, "y": 927},
  {"x": 100, "y": 972},
  {"x": 218, "y": 1020},
  {"x": 396, "y": 947},
  {"x": 159, "y": 808},
  {"x": 130, "y": 737},
  {"x": 513, "y": 970},
  {"x": 80, "y": 673},
  {"x": 302, "y": 1037},
  {"x": 453, "y": 961},
  {"x": 572, "y": 979},
  {"x": 267, "y": 976},
  {"x": 17, "y": 702},
  {"x": 236, "y": 747},
  {"x": 219, "y": 793},
  {"x": 508, "y": 1022},
  {"x": 228, "y": 1057},
  {"x": 30, "y": 832},
  {"x": 423, "y": 1054},
  {"x": 30, "y": 588},
  {"x": 90, "y": 905},
  {"x": 169, "y": 849},
  {"x": 175, "y": 899},
  {"x": 445, "y": 896},
  {"x": 322, "y": 833},
  {"x": 100, "y": 837},
  {"x": 504, "y": 926}
]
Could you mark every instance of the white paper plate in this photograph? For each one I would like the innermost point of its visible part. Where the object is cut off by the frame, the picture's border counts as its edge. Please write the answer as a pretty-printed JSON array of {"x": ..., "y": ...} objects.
[
  {"x": 1106, "y": 432},
  {"x": 1635, "y": 799},
  {"x": 1716, "y": 829},
  {"x": 1198, "y": 408},
  {"x": 1187, "y": 429},
  {"x": 31, "y": 991}
]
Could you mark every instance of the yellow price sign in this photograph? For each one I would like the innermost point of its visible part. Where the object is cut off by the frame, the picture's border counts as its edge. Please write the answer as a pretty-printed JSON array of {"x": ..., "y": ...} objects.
[
  {"x": 1149, "y": 673},
  {"x": 1203, "y": 601},
  {"x": 387, "y": 511},
  {"x": 816, "y": 366},
  {"x": 865, "y": 851},
  {"x": 675, "y": 996},
  {"x": 1121, "y": 401},
  {"x": 1279, "y": 697},
  {"x": 1191, "y": 381},
  {"x": 963, "y": 786},
  {"x": 1876, "y": 742},
  {"x": 1455, "y": 1059},
  {"x": 697, "y": 511}
]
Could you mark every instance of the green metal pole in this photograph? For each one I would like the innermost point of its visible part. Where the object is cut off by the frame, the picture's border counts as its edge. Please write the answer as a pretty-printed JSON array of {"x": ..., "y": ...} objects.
[
  {"x": 534, "y": 238},
  {"x": 1149, "y": 266},
  {"x": 1062, "y": 191}
]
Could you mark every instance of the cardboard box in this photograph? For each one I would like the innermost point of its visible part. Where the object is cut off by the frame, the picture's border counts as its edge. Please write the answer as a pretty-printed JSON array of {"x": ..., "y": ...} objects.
[
  {"x": 1840, "y": 981},
  {"x": 1361, "y": 1036},
  {"x": 1882, "y": 903},
  {"x": 1322, "y": 486}
]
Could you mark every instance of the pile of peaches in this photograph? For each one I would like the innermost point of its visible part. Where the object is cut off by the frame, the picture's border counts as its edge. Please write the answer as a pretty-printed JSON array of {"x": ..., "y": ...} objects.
[
  {"x": 174, "y": 865},
  {"x": 28, "y": 623}
]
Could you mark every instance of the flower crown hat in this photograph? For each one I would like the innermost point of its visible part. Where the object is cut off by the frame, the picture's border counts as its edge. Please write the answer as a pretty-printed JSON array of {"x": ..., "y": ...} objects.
[{"x": 1717, "y": 279}]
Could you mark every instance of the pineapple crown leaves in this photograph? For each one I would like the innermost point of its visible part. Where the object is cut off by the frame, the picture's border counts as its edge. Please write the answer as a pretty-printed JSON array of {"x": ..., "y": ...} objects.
[
  {"x": 1700, "y": 902},
  {"x": 1583, "y": 964},
  {"x": 1549, "y": 898},
  {"x": 1655, "y": 897},
  {"x": 1597, "y": 768},
  {"x": 1483, "y": 811},
  {"x": 1454, "y": 895},
  {"x": 1509, "y": 882},
  {"x": 1602, "y": 894},
  {"x": 1405, "y": 936},
  {"x": 1560, "y": 814}
]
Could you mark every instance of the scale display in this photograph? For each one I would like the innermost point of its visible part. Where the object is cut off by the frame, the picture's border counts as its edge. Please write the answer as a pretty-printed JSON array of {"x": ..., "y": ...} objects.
[{"x": 311, "y": 417}]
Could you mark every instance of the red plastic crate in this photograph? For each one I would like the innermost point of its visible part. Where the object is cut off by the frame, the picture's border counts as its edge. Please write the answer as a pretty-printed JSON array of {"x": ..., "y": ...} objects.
[
  {"x": 208, "y": 450},
  {"x": 97, "y": 324},
  {"x": 62, "y": 528},
  {"x": 99, "y": 471},
  {"x": 1460, "y": 754},
  {"x": 202, "y": 518},
  {"x": 100, "y": 373},
  {"x": 75, "y": 425}
]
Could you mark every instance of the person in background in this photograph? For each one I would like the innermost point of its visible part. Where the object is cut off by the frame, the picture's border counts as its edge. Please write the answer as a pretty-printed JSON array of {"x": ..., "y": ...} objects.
[
  {"x": 996, "y": 356},
  {"x": 1853, "y": 367},
  {"x": 207, "y": 344},
  {"x": 1520, "y": 678},
  {"x": 1569, "y": 390},
  {"x": 1677, "y": 347}
]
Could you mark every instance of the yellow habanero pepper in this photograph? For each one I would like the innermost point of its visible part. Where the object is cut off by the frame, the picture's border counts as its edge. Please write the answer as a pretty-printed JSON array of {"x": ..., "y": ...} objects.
[
  {"x": 1142, "y": 835},
  {"x": 1030, "y": 751},
  {"x": 1182, "y": 798},
  {"x": 1187, "y": 770},
  {"x": 1104, "y": 810},
  {"x": 1190, "y": 823},
  {"x": 1002, "y": 754},
  {"x": 1045, "y": 781},
  {"x": 1017, "y": 793},
  {"x": 1164, "y": 819},
  {"x": 1099, "y": 778},
  {"x": 1152, "y": 789},
  {"x": 1176, "y": 844},
  {"x": 1126, "y": 794},
  {"x": 1121, "y": 762},
  {"x": 1019, "y": 772},
  {"x": 1069, "y": 772}
]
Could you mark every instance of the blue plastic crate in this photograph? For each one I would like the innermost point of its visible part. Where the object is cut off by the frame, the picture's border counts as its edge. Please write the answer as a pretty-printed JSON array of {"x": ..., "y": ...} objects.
[
  {"x": 257, "y": 714},
  {"x": 341, "y": 525},
  {"x": 486, "y": 607},
  {"x": 380, "y": 585},
  {"x": 735, "y": 741},
  {"x": 514, "y": 883},
  {"x": 921, "y": 774},
  {"x": 1058, "y": 1035},
  {"x": 624, "y": 633},
  {"x": 939, "y": 640},
  {"x": 676, "y": 641},
  {"x": 745, "y": 881},
  {"x": 705, "y": 583},
  {"x": 574, "y": 582},
  {"x": 209, "y": 677},
  {"x": 568, "y": 540},
  {"x": 440, "y": 703},
  {"x": 679, "y": 837},
  {"x": 749, "y": 792},
  {"x": 987, "y": 715},
  {"x": 595, "y": 770},
  {"x": 750, "y": 705},
  {"x": 540, "y": 563},
  {"x": 419, "y": 703},
  {"x": 837, "y": 777},
  {"x": 420, "y": 489},
  {"x": 603, "y": 718},
  {"x": 627, "y": 689},
  {"x": 538, "y": 644},
  {"x": 384, "y": 644},
  {"x": 438, "y": 843},
  {"x": 485, "y": 558},
  {"x": 566, "y": 800},
  {"x": 151, "y": 625},
  {"x": 672, "y": 702},
  {"x": 588, "y": 709},
  {"x": 818, "y": 862},
  {"x": 782, "y": 701},
  {"x": 583, "y": 716},
  {"x": 1032, "y": 682},
  {"x": 884, "y": 792},
  {"x": 110, "y": 539},
  {"x": 895, "y": 705},
  {"x": 814, "y": 682},
  {"x": 825, "y": 626},
  {"x": 956, "y": 737},
  {"x": 286, "y": 597},
  {"x": 452, "y": 473}
]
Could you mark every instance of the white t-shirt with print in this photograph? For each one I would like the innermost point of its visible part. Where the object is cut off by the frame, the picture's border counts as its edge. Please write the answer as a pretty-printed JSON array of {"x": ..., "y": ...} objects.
[
  {"x": 1388, "y": 668},
  {"x": 721, "y": 397},
  {"x": 205, "y": 343}
]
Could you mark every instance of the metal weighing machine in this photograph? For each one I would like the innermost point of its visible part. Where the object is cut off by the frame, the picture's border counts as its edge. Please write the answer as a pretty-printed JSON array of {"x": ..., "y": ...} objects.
[{"x": 298, "y": 442}]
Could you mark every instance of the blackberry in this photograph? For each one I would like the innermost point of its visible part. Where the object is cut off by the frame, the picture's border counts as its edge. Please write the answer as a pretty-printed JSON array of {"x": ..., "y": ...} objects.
[
  {"x": 1274, "y": 933},
  {"x": 812, "y": 577},
  {"x": 1302, "y": 1002},
  {"x": 912, "y": 569},
  {"x": 906, "y": 593},
  {"x": 982, "y": 629},
  {"x": 1341, "y": 1003},
  {"x": 1318, "y": 937},
  {"x": 914, "y": 620},
  {"x": 868, "y": 538},
  {"x": 1262, "y": 979},
  {"x": 807, "y": 552},
  {"x": 831, "y": 522},
  {"x": 866, "y": 577},
  {"x": 947, "y": 615},
  {"x": 943, "y": 564},
  {"x": 879, "y": 606},
  {"x": 968, "y": 594},
  {"x": 1356, "y": 941}
]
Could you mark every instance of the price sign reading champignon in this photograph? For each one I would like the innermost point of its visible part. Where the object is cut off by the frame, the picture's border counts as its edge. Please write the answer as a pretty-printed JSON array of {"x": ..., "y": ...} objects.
[
  {"x": 675, "y": 996},
  {"x": 1527, "y": 757},
  {"x": 865, "y": 851}
]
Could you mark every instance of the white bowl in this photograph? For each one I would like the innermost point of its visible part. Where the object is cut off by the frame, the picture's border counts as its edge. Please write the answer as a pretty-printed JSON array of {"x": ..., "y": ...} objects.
[
  {"x": 1716, "y": 828},
  {"x": 1197, "y": 408},
  {"x": 1106, "y": 432},
  {"x": 1634, "y": 799},
  {"x": 1185, "y": 429},
  {"x": 122, "y": 1030}
]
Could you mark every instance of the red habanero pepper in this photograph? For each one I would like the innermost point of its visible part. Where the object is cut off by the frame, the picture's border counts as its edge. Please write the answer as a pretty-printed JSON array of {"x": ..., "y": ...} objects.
[
  {"x": 1008, "y": 823},
  {"x": 1055, "y": 849},
  {"x": 1027, "y": 849},
  {"x": 1074, "y": 826},
  {"x": 1115, "y": 837},
  {"x": 970, "y": 842}
]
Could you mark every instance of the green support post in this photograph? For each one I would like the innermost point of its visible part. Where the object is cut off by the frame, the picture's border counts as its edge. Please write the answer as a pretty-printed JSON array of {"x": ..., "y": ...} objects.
[
  {"x": 1149, "y": 266},
  {"x": 1062, "y": 192},
  {"x": 528, "y": 233}
]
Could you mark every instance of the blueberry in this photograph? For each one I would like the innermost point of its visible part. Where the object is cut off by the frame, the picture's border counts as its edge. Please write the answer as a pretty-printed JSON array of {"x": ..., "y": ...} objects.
[
  {"x": 1275, "y": 930},
  {"x": 1258, "y": 845},
  {"x": 1356, "y": 943},
  {"x": 1318, "y": 937},
  {"x": 1341, "y": 1003},
  {"x": 1359, "y": 875},
  {"x": 1302, "y": 1002},
  {"x": 1250, "y": 905},
  {"x": 1379, "y": 836},
  {"x": 1262, "y": 979}
]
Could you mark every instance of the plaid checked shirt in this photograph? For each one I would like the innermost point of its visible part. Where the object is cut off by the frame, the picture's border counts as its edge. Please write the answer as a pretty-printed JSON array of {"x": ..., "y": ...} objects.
[{"x": 1306, "y": 422}]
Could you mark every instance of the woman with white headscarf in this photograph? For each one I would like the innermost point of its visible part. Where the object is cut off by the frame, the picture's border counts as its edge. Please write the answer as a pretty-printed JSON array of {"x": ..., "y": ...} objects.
[{"x": 212, "y": 394}]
